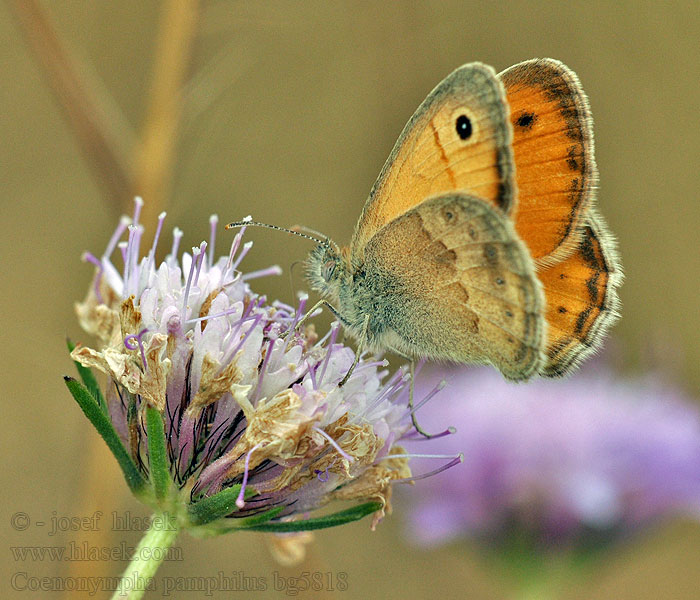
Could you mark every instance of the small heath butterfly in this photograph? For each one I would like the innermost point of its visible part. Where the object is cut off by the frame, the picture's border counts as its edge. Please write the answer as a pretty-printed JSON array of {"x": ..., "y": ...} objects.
[{"x": 480, "y": 242}]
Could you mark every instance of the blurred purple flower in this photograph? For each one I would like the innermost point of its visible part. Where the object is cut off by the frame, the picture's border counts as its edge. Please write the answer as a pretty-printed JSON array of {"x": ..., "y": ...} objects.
[{"x": 558, "y": 460}]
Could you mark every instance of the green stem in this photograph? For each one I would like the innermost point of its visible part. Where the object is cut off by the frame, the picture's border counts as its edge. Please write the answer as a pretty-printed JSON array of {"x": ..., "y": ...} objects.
[{"x": 150, "y": 553}]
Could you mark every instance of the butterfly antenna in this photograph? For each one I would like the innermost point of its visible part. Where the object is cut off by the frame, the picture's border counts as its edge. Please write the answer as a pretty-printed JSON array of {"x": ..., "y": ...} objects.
[
  {"x": 246, "y": 222},
  {"x": 310, "y": 231}
]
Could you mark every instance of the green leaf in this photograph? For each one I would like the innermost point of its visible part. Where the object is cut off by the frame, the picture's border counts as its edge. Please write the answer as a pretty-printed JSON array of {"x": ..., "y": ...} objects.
[
  {"x": 244, "y": 522},
  {"x": 104, "y": 427},
  {"x": 89, "y": 380},
  {"x": 258, "y": 519},
  {"x": 214, "y": 507},
  {"x": 157, "y": 453},
  {"x": 340, "y": 518}
]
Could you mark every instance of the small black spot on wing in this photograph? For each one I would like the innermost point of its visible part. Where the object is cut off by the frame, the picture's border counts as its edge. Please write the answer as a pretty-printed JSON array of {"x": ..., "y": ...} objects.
[
  {"x": 449, "y": 215},
  {"x": 526, "y": 120},
  {"x": 491, "y": 255}
]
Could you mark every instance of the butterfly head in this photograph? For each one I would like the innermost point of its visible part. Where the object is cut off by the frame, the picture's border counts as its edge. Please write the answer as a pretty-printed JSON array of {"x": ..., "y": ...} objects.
[
  {"x": 326, "y": 264},
  {"x": 325, "y": 268}
]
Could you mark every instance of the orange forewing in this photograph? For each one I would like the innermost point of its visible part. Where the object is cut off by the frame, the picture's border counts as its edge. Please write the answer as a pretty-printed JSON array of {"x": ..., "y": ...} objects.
[
  {"x": 430, "y": 158},
  {"x": 581, "y": 298},
  {"x": 553, "y": 149}
]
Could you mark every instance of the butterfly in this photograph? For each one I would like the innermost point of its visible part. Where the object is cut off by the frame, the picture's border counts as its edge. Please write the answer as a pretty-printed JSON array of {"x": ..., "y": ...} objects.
[{"x": 480, "y": 241}]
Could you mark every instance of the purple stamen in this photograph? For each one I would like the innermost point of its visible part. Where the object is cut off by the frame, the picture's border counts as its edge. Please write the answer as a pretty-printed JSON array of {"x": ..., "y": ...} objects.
[
  {"x": 131, "y": 271},
  {"x": 285, "y": 308},
  {"x": 246, "y": 248},
  {"x": 432, "y": 393},
  {"x": 89, "y": 257},
  {"x": 139, "y": 345},
  {"x": 240, "y": 501},
  {"x": 333, "y": 443},
  {"x": 245, "y": 317},
  {"x": 455, "y": 461},
  {"x": 394, "y": 385},
  {"x": 122, "y": 249},
  {"x": 413, "y": 455},
  {"x": 177, "y": 236},
  {"x": 297, "y": 315},
  {"x": 318, "y": 475},
  {"x": 128, "y": 260},
  {"x": 138, "y": 204},
  {"x": 195, "y": 255},
  {"x": 260, "y": 302},
  {"x": 273, "y": 270},
  {"x": 303, "y": 299},
  {"x": 234, "y": 248},
  {"x": 231, "y": 355},
  {"x": 152, "y": 253},
  {"x": 320, "y": 343},
  {"x": 124, "y": 222},
  {"x": 251, "y": 307},
  {"x": 334, "y": 334},
  {"x": 200, "y": 260},
  {"x": 363, "y": 366},
  {"x": 228, "y": 311},
  {"x": 312, "y": 373},
  {"x": 213, "y": 222},
  {"x": 135, "y": 271}
]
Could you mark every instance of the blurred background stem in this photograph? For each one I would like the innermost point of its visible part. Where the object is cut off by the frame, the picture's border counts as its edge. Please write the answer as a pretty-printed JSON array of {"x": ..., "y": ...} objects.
[
  {"x": 106, "y": 146},
  {"x": 123, "y": 165},
  {"x": 156, "y": 155}
]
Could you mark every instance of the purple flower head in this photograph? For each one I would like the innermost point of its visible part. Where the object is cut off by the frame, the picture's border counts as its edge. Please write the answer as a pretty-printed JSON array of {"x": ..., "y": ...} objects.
[
  {"x": 248, "y": 400},
  {"x": 561, "y": 460}
]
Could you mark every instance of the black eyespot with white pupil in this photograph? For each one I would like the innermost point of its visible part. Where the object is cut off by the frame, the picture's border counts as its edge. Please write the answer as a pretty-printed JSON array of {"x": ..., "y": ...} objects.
[{"x": 464, "y": 127}]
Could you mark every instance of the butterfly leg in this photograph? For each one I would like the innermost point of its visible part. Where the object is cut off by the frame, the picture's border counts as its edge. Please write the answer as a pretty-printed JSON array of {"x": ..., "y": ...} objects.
[
  {"x": 411, "y": 389},
  {"x": 360, "y": 345},
  {"x": 310, "y": 312}
]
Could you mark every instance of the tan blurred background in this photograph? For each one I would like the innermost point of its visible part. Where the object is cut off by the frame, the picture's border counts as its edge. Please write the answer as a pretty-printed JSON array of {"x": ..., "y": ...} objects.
[{"x": 288, "y": 112}]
